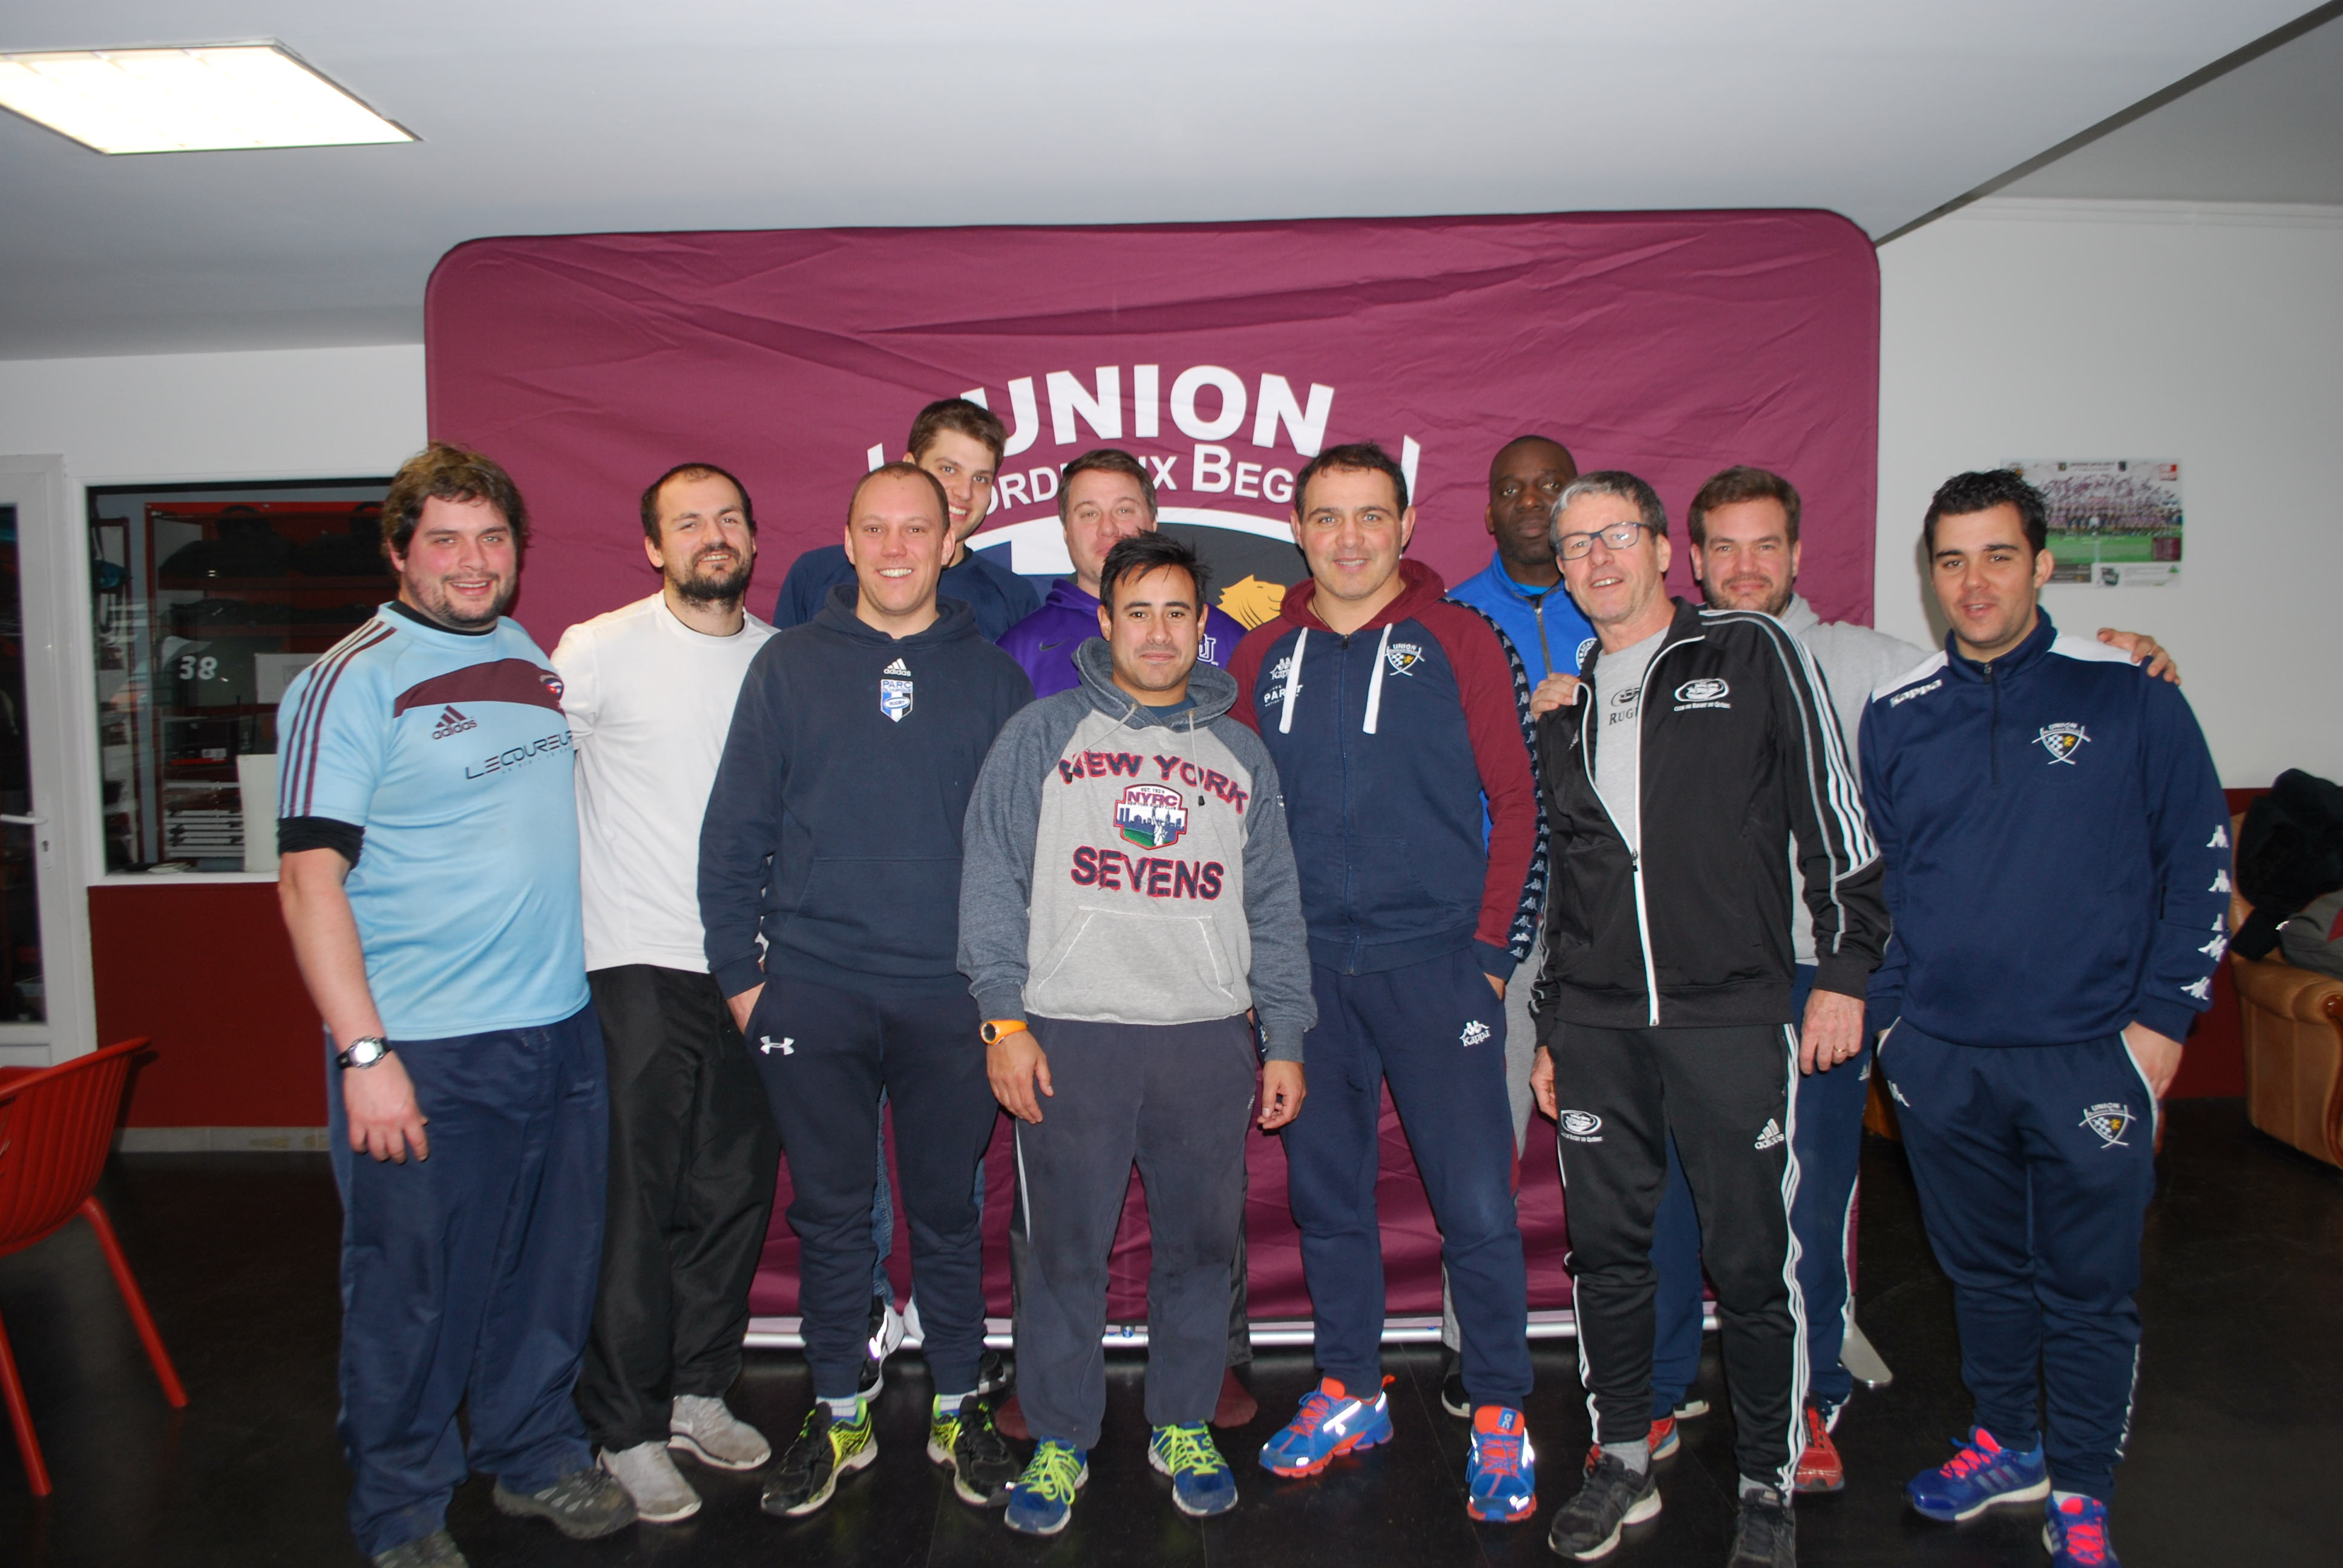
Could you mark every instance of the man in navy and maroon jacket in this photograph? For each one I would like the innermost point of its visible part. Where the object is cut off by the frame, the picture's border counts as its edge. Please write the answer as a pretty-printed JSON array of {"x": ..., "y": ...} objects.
[{"x": 1394, "y": 715}]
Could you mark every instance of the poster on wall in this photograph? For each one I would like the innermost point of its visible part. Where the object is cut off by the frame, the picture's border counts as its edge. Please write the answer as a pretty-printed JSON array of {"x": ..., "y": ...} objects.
[{"x": 2115, "y": 522}]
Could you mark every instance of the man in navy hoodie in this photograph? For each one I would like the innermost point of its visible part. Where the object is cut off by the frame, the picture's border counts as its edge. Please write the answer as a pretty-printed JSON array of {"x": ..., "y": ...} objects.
[
  {"x": 1392, "y": 715},
  {"x": 833, "y": 829},
  {"x": 2057, "y": 856}
]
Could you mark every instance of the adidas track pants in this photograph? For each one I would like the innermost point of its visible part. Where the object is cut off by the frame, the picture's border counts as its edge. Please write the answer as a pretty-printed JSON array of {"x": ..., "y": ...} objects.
[{"x": 1724, "y": 1095}]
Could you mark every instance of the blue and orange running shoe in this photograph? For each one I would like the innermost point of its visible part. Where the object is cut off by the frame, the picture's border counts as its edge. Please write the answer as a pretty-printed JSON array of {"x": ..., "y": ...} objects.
[
  {"x": 1501, "y": 1472},
  {"x": 1982, "y": 1475},
  {"x": 2075, "y": 1530},
  {"x": 1332, "y": 1420}
]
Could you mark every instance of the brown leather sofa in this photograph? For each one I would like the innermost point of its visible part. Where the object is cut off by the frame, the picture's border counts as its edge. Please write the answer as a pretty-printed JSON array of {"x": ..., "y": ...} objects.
[{"x": 2293, "y": 1025}]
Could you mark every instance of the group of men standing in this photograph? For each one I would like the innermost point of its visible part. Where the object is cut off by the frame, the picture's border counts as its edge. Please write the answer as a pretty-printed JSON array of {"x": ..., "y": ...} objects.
[{"x": 932, "y": 848}]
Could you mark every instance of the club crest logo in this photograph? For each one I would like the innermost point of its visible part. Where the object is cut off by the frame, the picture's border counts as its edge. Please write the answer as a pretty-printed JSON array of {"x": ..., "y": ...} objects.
[
  {"x": 1403, "y": 657},
  {"x": 552, "y": 683},
  {"x": 1585, "y": 646},
  {"x": 2110, "y": 1121},
  {"x": 894, "y": 698},
  {"x": 2062, "y": 741},
  {"x": 1151, "y": 815},
  {"x": 1475, "y": 1033},
  {"x": 1701, "y": 691},
  {"x": 1581, "y": 1126}
]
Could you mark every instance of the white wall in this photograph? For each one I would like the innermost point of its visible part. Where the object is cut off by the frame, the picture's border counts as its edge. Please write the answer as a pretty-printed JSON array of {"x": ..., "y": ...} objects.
[
  {"x": 318, "y": 413},
  {"x": 2030, "y": 329}
]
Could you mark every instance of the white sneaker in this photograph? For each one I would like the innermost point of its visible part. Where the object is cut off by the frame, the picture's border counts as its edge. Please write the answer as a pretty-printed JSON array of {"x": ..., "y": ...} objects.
[
  {"x": 661, "y": 1494},
  {"x": 886, "y": 1331},
  {"x": 704, "y": 1427}
]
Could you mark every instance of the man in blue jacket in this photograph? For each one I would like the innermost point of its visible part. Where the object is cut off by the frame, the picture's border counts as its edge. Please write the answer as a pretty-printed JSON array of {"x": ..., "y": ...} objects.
[
  {"x": 1394, "y": 719},
  {"x": 833, "y": 831},
  {"x": 960, "y": 444},
  {"x": 2057, "y": 856}
]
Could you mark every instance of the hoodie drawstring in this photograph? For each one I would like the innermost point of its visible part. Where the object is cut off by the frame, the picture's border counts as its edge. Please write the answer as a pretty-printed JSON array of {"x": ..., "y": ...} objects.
[
  {"x": 1293, "y": 683},
  {"x": 1375, "y": 682}
]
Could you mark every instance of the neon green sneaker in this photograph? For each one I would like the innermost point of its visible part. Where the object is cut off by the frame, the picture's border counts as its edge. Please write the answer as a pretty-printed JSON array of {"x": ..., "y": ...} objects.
[
  {"x": 1042, "y": 1499},
  {"x": 808, "y": 1473},
  {"x": 1202, "y": 1483},
  {"x": 981, "y": 1465}
]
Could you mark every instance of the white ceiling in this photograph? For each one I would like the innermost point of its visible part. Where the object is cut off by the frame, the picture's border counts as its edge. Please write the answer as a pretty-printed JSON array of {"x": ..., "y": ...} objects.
[
  {"x": 595, "y": 115},
  {"x": 2269, "y": 131}
]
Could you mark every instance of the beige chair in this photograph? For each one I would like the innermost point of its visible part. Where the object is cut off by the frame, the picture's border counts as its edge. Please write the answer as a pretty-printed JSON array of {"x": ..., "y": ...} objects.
[{"x": 2293, "y": 1025}]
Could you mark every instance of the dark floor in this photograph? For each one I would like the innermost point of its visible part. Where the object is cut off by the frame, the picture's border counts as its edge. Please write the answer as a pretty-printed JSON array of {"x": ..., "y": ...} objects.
[{"x": 2237, "y": 1431}]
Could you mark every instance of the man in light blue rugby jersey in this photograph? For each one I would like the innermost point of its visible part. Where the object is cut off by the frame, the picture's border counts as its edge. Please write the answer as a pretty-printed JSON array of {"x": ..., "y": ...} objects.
[{"x": 427, "y": 827}]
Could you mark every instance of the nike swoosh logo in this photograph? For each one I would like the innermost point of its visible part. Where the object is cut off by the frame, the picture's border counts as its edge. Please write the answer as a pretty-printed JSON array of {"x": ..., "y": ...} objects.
[{"x": 1046, "y": 647}]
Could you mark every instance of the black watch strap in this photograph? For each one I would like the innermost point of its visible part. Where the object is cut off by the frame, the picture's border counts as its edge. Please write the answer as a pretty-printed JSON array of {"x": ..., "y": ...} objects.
[{"x": 364, "y": 1051}]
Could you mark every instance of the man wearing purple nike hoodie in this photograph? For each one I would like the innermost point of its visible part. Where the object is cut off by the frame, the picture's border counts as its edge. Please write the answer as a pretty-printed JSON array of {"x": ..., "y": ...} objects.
[{"x": 1106, "y": 495}]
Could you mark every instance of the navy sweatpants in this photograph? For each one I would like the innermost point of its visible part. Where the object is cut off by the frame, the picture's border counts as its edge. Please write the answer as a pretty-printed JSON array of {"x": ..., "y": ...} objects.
[
  {"x": 467, "y": 1279},
  {"x": 1437, "y": 1031},
  {"x": 1178, "y": 1100},
  {"x": 2034, "y": 1165},
  {"x": 825, "y": 1055},
  {"x": 1829, "y": 1145}
]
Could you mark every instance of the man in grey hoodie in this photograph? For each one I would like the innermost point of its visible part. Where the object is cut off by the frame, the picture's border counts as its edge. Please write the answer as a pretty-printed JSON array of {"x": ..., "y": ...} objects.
[{"x": 1128, "y": 897}]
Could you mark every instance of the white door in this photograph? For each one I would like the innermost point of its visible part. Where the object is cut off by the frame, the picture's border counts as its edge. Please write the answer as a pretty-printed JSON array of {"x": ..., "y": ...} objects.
[{"x": 46, "y": 1012}]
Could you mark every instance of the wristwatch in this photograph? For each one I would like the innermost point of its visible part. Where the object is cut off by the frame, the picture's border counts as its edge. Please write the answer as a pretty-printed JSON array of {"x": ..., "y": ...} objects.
[
  {"x": 364, "y": 1051},
  {"x": 996, "y": 1029}
]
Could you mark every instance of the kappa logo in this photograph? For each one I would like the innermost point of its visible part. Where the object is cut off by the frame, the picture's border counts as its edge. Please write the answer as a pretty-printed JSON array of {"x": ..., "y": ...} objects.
[
  {"x": 1475, "y": 1033},
  {"x": 1702, "y": 693},
  {"x": 1403, "y": 657},
  {"x": 1770, "y": 1135},
  {"x": 1281, "y": 675},
  {"x": 1896, "y": 1094},
  {"x": 786, "y": 1045},
  {"x": 1581, "y": 1126},
  {"x": 2062, "y": 741},
  {"x": 2110, "y": 1121},
  {"x": 2220, "y": 881},
  {"x": 1902, "y": 698},
  {"x": 894, "y": 696},
  {"x": 2202, "y": 990},
  {"x": 2213, "y": 949},
  {"x": 2220, "y": 839},
  {"x": 1151, "y": 815},
  {"x": 452, "y": 722}
]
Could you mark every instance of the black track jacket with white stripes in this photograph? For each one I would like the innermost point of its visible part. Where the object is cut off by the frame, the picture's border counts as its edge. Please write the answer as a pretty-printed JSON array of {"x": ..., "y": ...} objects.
[{"x": 1741, "y": 752}]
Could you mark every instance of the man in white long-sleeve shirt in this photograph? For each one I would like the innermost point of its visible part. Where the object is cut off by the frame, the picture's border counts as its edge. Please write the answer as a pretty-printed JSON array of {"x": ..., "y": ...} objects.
[{"x": 648, "y": 691}]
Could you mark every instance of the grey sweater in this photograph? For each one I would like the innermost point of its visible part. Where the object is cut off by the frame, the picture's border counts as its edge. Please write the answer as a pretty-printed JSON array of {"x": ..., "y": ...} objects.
[{"x": 1123, "y": 866}]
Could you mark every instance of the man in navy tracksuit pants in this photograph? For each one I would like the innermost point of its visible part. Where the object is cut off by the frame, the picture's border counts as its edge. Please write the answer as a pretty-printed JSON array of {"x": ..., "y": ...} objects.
[
  {"x": 2059, "y": 853},
  {"x": 833, "y": 831},
  {"x": 1392, "y": 715}
]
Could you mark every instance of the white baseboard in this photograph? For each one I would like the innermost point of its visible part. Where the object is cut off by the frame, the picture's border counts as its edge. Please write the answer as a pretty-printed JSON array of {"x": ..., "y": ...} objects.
[{"x": 220, "y": 1140}]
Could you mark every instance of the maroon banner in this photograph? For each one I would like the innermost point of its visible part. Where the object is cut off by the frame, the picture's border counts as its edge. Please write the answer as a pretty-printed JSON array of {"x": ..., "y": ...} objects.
[{"x": 1226, "y": 355}]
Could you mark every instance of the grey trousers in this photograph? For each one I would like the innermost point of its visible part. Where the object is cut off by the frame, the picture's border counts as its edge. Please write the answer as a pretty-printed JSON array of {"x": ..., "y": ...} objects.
[{"x": 1177, "y": 1099}]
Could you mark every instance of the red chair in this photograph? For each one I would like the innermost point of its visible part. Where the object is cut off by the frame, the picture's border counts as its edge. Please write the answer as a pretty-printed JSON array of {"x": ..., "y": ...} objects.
[{"x": 56, "y": 1126}]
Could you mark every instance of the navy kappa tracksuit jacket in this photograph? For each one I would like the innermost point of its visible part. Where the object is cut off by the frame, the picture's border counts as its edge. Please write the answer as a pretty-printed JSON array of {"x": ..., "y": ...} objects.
[
  {"x": 2056, "y": 844},
  {"x": 1387, "y": 741}
]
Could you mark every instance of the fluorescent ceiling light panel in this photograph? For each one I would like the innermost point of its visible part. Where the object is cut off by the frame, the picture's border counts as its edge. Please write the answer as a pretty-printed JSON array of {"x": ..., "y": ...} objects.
[{"x": 187, "y": 100}]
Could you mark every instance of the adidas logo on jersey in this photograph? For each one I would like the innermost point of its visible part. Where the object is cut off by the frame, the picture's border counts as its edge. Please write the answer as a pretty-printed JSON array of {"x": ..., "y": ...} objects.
[
  {"x": 1475, "y": 1033},
  {"x": 898, "y": 667},
  {"x": 451, "y": 722},
  {"x": 1771, "y": 1135}
]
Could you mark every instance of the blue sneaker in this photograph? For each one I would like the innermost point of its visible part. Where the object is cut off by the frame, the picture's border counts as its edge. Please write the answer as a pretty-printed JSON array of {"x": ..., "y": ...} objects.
[
  {"x": 1331, "y": 1421},
  {"x": 2075, "y": 1530},
  {"x": 1501, "y": 1472},
  {"x": 1982, "y": 1475},
  {"x": 1201, "y": 1481},
  {"x": 1041, "y": 1500}
]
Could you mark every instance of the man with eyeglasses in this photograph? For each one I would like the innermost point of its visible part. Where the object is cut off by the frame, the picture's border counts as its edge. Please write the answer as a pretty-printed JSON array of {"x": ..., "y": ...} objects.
[{"x": 1664, "y": 1000}]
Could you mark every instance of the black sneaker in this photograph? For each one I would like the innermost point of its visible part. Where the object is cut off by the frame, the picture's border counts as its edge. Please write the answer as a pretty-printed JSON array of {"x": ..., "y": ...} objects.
[
  {"x": 436, "y": 1549},
  {"x": 583, "y": 1505},
  {"x": 825, "y": 1449},
  {"x": 1611, "y": 1498},
  {"x": 1452, "y": 1397},
  {"x": 1765, "y": 1535},
  {"x": 993, "y": 1373},
  {"x": 981, "y": 1465}
]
